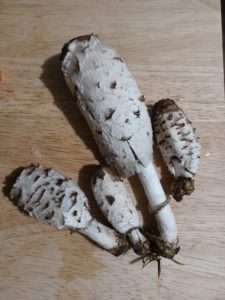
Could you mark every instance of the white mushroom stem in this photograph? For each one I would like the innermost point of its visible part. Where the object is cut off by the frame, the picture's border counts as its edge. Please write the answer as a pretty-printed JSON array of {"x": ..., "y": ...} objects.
[
  {"x": 115, "y": 199},
  {"x": 159, "y": 204},
  {"x": 54, "y": 199}
]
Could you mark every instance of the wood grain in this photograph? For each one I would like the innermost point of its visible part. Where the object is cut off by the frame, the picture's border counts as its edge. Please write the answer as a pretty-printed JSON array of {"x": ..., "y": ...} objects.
[{"x": 174, "y": 48}]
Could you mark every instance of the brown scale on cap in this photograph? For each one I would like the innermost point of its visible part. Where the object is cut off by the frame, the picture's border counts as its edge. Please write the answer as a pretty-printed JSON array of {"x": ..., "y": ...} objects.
[{"x": 164, "y": 106}]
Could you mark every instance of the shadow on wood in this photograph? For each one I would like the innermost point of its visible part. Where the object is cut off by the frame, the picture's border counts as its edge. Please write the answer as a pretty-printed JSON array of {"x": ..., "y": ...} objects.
[
  {"x": 53, "y": 79},
  {"x": 84, "y": 181}
]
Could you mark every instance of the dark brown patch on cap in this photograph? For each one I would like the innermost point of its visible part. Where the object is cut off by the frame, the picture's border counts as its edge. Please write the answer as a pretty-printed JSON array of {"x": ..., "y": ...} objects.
[
  {"x": 137, "y": 113},
  {"x": 170, "y": 117},
  {"x": 36, "y": 178},
  {"x": 32, "y": 169},
  {"x": 59, "y": 181},
  {"x": 46, "y": 171},
  {"x": 161, "y": 142},
  {"x": 59, "y": 200},
  {"x": 99, "y": 131},
  {"x": 110, "y": 199},
  {"x": 73, "y": 197},
  {"x": 45, "y": 206},
  {"x": 99, "y": 174},
  {"x": 118, "y": 58},
  {"x": 81, "y": 38},
  {"x": 164, "y": 106},
  {"x": 181, "y": 125},
  {"x": 109, "y": 114},
  {"x": 113, "y": 85},
  {"x": 77, "y": 67},
  {"x": 142, "y": 98},
  {"x": 49, "y": 215},
  {"x": 85, "y": 37},
  {"x": 125, "y": 139}
]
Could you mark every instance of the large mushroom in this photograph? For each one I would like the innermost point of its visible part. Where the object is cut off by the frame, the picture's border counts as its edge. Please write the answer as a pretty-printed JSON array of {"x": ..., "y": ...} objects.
[
  {"x": 112, "y": 104},
  {"x": 54, "y": 199}
]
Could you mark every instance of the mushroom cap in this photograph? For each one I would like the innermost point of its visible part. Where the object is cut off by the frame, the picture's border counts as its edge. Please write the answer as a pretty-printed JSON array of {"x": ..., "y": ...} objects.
[
  {"x": 111, "y": 102},
  {"x": 50, "y": 197},
  {"x": 115, "y": 200},
  {"x": 176, "y": 139}
]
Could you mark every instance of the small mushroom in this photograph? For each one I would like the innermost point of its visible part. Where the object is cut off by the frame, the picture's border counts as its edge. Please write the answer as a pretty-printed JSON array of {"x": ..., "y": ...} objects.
[
  {"x": 178, "y": 143},
  {"x": 115, "y": 201},
  {"x": 54, "y": 199}
]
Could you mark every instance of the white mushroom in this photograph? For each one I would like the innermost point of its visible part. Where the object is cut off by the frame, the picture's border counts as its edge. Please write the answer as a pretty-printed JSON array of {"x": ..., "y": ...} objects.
[
  {"x": 178, "y": 144},
  {"x": 54, "y": 199},
  {"x": 114, "y": 198},
  {"x": 112, "y": 104}
]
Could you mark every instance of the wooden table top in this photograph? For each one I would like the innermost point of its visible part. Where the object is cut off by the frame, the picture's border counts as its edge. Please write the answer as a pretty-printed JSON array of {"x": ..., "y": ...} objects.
[{"x": 174, "y": 49}]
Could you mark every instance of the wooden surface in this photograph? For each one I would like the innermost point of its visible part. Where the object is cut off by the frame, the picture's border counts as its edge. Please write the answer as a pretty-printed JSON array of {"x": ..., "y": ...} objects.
[{"x": 174, "y": 49}]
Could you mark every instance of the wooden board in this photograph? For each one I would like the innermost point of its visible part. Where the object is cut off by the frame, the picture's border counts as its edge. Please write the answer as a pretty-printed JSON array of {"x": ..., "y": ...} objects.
[{"x": 174, "y": 49}]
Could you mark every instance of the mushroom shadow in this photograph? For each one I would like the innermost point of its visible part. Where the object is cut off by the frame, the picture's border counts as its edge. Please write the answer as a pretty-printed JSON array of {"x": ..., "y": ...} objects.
[
  {"x": 84, "y": 180},
  {"x": 10, "y": 180},
  {"x": 8, "y": 183},
  {"x": 53, "y": 79}
]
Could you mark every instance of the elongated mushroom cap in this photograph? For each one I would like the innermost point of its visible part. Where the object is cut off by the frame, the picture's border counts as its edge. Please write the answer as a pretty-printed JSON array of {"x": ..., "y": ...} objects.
[
  {"x": 110, "y": 100},
  {"x": 50, "y": 197},
  {"x": 178, "y": 144}
]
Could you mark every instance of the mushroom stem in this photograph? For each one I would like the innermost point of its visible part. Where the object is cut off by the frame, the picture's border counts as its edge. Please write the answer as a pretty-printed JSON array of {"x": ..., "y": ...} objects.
[
  {"x": 105, "y": 237},
  {"x": 136, "y": 238},
  {"x": 159, "y": 205}
]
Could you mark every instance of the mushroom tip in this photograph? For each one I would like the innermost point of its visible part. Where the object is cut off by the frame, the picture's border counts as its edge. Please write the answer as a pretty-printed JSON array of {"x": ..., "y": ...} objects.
[
  {"x": 98, "y": 174},
  {"x": 182, "y": 186},
  {"x": 142, "y": 249},
  {"x": 122, "y": 248},
  {"x": 167, "y": 249},
  {"x": 164, "y": 106},
  {"x": 163, "y": 248},
  {"x": 80, "y": 38}
]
